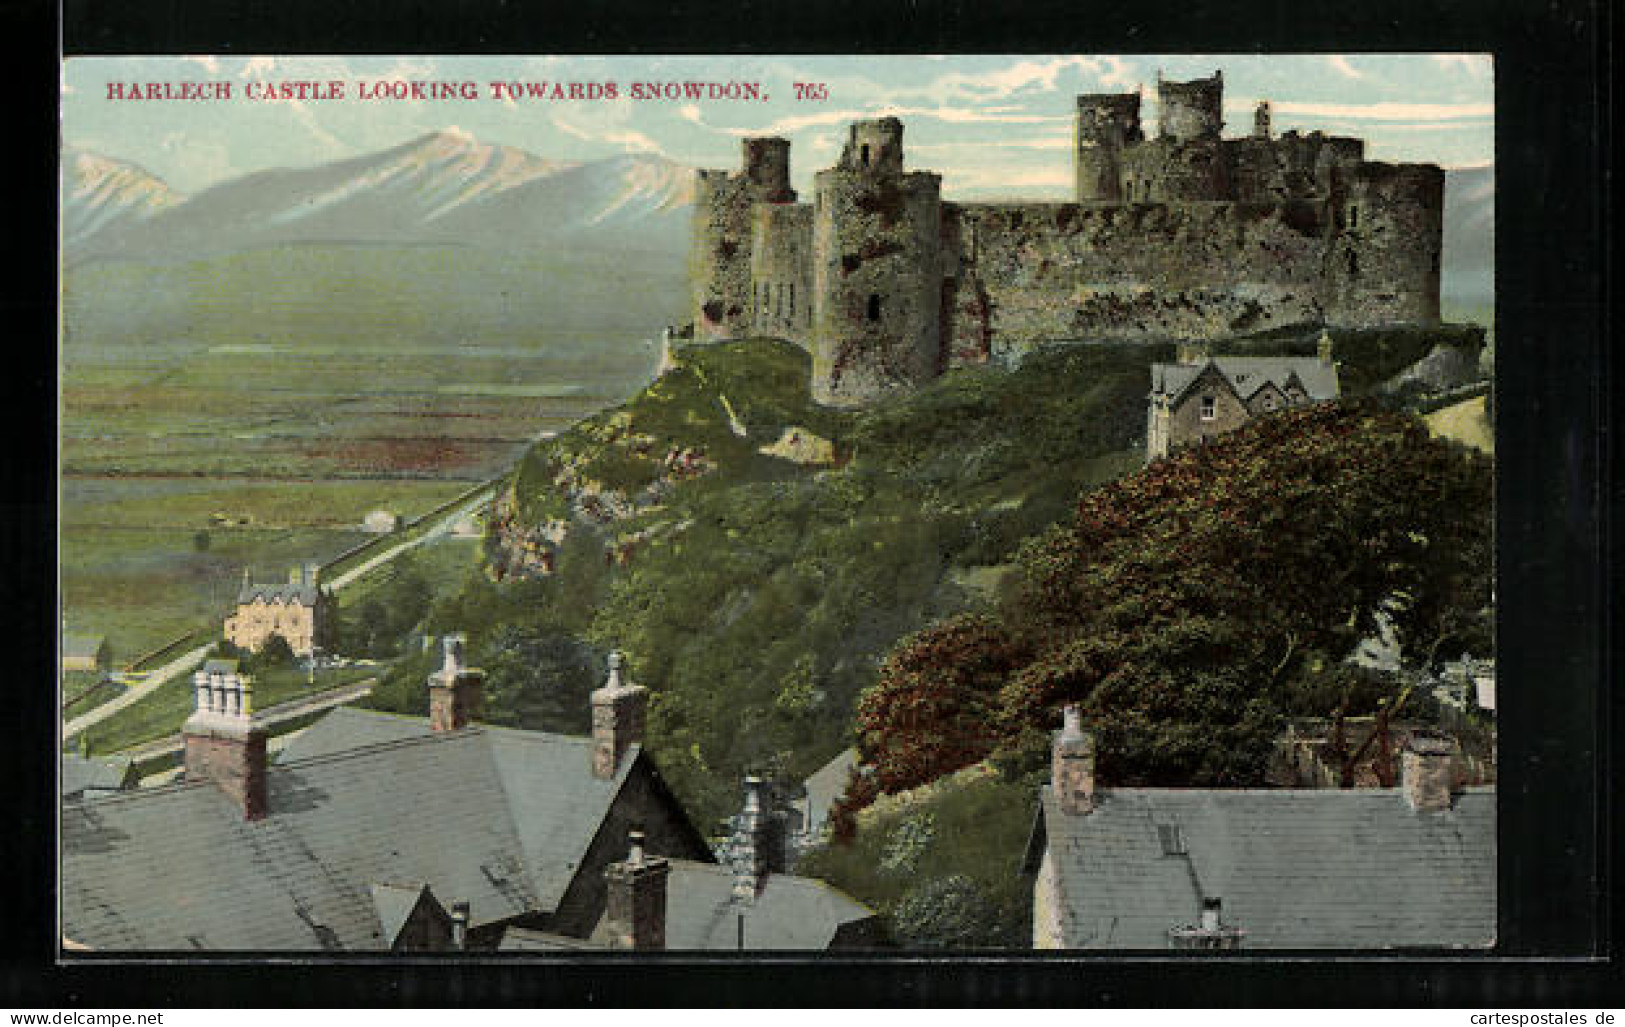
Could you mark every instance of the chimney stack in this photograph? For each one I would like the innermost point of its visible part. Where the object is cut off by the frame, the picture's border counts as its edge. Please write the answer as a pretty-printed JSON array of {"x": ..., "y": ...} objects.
[
  {"x": 1323, "y": 348},
  {"x": 758, "y": 841},
  {"x": 224, "y": 743},
  {"x": 636, "y": 909},
  {"x": 459, "y": 924},
  {"x": 1210, "y": 933},
  {"x": 618, "y": 713},
  {"x": 1072, "y": 765},
  {"x": 1425, "y": 773},
  {"x": 455, "y": 690}
]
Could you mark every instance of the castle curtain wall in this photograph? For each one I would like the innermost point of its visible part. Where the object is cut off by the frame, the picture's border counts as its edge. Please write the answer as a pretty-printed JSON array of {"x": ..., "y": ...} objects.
[{"x": 1064, "y": 271}]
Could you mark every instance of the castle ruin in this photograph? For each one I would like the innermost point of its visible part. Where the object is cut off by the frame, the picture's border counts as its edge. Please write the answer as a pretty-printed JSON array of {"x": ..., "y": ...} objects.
[{"x": 1188, "y": 235}]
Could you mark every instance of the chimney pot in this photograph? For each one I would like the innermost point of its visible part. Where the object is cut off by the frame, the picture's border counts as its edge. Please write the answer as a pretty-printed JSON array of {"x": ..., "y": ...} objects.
[
  {"x": 224, "y": 744},
  {"x": 758, "y": 841},
  {"x": 1211, "y": 907},
  {"x": 459, "y": 924},
  {"x": 455, "y": 691},
  {"x": 635, "y": 908},
  {"x": 619, "y": 711},
  {"x": 1072, "y": 765}
]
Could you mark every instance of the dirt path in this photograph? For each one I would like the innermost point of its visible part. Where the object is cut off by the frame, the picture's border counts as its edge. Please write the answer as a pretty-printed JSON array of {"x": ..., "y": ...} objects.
[{"x": 155, "y": 680}]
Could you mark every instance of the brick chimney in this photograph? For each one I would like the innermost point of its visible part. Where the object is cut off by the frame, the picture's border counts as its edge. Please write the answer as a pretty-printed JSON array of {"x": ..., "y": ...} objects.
[
  {"x": 455, "y": 690},
  {"x": 224, "y": 743},
  {"x": 636, "y": 909},
  {"x": 618, "y": 712},
  {"x": 1072, "y": 765},
  {"x": 757, "y": 846},
  {"x": 1424, "y": 773}
]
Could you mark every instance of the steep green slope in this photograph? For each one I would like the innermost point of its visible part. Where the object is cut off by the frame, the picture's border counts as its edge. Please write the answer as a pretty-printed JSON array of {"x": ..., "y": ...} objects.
[
  {"x": 757, "y": 555},
  {"x": 755, "y": 594}
]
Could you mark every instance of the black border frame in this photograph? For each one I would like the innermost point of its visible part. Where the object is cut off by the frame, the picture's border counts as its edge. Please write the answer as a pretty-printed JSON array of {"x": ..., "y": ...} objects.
[{"x": 1555, "y": 496}]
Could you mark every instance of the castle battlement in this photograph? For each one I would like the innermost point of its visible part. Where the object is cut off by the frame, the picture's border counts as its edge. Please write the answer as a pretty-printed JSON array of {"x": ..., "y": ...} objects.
[{"x": 1185, "y": 235}]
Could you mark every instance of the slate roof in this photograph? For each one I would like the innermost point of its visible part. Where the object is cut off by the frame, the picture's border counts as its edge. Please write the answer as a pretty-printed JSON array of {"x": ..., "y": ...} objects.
[
  {"x": 788, "y": 913},
  {"x": 1249, "y": 374},
  {"x": 825, "y": 785},
  {"x": 1354, "y": 869},
  {"x": 106, "y": 774},
  {"x": 394, "y": 905},
  {"x": 523, "y": 939},
  {"x": 499, "y": 818}
]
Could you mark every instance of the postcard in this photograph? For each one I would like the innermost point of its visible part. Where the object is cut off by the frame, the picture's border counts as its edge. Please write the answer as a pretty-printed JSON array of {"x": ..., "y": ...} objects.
[{"x": 778, "y": 504}]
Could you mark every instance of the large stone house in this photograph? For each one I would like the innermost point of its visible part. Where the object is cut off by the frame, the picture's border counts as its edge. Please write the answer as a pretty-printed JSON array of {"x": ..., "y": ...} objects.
[
  {"x": 1201, "y": 396},
  {"x": 1411, "y": 867},
  {"x": 296, "y": 609},
  {"x": 380, "y": 832}
]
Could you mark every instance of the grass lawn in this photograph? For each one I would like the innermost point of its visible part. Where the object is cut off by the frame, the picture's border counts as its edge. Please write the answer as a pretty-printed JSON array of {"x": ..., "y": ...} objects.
[{"x": 141, "y": 586}]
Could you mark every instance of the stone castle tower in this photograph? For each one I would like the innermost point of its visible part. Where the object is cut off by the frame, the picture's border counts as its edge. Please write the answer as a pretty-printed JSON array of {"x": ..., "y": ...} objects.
[{"x": 1187, "y": 235}]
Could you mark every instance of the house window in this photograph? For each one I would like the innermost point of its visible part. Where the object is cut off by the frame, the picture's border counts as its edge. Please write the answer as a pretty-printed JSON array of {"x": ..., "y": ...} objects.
[
  {"x": 1172, "y": 839},
  {"x": 1209, "y": 408},
  {"x": 874, "y": 306}
]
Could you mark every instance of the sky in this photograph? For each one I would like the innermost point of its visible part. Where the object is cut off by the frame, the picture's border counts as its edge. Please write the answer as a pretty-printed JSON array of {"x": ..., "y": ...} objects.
[{"x": 992, "y": 126}]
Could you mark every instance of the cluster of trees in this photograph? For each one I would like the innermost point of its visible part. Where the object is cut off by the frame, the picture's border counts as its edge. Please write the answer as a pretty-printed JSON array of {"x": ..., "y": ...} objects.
[{"x": 1190, "y": 606}]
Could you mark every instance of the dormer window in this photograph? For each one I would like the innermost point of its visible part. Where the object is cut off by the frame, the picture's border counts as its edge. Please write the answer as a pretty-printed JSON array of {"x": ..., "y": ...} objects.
[{"x": 1209, "y": 407}]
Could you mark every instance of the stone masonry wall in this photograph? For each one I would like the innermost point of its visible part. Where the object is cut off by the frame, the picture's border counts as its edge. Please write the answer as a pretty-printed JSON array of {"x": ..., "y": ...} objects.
[
  {"x": 1384, "y": 268},
  {"x": 1056, "y": 271},
  {"x": 781, "y": 272},
  {"x": 719, "y": 255},
  {"x": 877, "y": 282}
]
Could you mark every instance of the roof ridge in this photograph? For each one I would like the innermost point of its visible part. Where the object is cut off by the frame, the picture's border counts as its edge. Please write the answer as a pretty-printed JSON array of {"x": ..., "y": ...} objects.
[{"x": 366, "y": 748}]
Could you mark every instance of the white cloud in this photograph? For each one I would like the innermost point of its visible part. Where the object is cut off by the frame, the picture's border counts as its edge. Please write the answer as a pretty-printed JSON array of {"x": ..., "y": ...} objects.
[
  {"x": 1342, "y": 66},
  {"x": 1389, "y": 111},
  {"x": 1474, "y": 65},
  {"x": 1025, "y": 74},
  {"x": 258, "y": 67},
  {"x": 634, "y": 142},
  {"x": 954, "y": 115},
  {"x": 209, "y": 64}
]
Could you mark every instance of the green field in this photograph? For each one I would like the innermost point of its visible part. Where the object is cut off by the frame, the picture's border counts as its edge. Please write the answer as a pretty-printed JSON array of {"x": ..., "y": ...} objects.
[{"x": 249, "y": 410}]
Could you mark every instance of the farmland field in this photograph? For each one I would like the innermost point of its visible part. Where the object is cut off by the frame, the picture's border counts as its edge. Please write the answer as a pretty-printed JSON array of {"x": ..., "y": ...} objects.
[{"x": 249, "y": 410}]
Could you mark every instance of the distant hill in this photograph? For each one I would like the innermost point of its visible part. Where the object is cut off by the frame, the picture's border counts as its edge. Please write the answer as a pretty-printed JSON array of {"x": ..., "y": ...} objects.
[
  {"x": 442, "y": 188},
  {"x": 104, "y": 197},
  {"x": 1469, "y": 235}
]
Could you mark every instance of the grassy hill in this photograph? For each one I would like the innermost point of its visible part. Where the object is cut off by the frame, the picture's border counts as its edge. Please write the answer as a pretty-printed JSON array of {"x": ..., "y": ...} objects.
[{"x": 754, "y": 584}]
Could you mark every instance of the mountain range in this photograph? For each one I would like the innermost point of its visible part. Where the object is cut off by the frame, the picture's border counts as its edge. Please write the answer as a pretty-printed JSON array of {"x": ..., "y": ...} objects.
[
  {"x": 442, "y": 188},
  {"x": 448, "y": 188}
]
